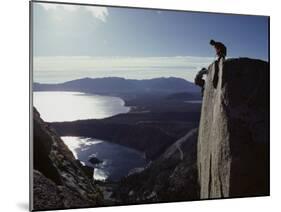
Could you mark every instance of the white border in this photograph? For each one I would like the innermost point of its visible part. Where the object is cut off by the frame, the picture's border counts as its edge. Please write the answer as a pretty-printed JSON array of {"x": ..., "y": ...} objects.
[{"x": 14, "y": 108}]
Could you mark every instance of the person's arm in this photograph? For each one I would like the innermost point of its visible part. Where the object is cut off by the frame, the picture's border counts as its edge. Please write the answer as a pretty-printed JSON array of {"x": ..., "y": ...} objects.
[{"x": 202, "y": 72}]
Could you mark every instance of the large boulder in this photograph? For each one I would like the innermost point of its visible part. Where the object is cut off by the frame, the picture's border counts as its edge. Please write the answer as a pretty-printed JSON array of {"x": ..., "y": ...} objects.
[{"x": 233, "y": 141}]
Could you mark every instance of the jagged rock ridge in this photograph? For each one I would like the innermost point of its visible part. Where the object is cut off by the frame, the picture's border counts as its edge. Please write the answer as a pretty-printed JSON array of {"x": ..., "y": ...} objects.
[
  {"x": 59, "y": 180},
  {"x": 233, "y": 141}
]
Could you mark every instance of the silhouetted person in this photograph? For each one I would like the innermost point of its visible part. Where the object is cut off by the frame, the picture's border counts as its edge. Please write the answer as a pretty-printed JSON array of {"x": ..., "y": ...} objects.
[
  {"x": 220, "y": 49},
  {"x": 221, "y": 53},
  {"x": 199, "y": 79}
]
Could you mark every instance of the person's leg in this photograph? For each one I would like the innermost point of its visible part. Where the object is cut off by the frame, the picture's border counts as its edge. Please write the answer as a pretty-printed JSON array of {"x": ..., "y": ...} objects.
[
  {"x": 222, "y": 57},
  {"x": 202, "y": 87},
  {"x": 202, "y": 91}
]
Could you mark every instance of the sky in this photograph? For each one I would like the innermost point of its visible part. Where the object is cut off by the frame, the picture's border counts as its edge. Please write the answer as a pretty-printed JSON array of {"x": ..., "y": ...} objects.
[{"x": 72, "y": 41}]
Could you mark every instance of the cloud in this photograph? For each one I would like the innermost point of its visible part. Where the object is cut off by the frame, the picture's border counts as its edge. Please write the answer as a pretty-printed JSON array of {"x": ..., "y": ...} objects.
[
  {"x": 63, "y": 68},
  {"x": 97, "y": 12},
  {"x": 64, "y": 63}
]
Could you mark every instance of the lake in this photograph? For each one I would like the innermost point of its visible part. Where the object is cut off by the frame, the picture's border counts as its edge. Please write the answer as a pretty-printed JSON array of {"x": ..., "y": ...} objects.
[
  {"x": 116, "y": 160},
  {"x": 71, "y": 106}
]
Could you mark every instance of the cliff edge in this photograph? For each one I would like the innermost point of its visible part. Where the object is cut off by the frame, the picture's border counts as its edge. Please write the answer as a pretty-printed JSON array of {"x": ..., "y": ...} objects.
[{"x": 233, "y": 140}]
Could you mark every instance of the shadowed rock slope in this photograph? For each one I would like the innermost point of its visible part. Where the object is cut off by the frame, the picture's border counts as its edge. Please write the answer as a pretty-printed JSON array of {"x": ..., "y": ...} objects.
[
  {"x": 172, "y": 177},
  {"x": 233, "y": 141},
  {"x": 59, "y": 180}
]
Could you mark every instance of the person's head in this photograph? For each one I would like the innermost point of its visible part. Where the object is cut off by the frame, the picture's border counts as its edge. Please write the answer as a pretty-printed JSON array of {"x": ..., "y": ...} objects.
[{"x": 212, "y": 42}]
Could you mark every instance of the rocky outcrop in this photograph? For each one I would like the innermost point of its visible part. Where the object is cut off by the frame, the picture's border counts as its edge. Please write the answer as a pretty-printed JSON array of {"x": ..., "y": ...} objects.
[
  {"x": 233, "y": 141},
  {"x": 59, "y": 181},
  {"x": 172, "y": 177}
]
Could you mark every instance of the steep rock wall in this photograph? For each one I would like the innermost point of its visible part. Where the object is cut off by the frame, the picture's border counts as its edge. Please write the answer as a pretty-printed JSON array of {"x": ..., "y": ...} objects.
[
  {"x": 233, "y": 140},
  {"x": 59, "y": 181}
]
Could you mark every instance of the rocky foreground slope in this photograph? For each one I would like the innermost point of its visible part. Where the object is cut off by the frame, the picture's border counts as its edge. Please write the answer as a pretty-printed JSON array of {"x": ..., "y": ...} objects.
[
  {"x": 172, "y": 177},
  {"x": 59, "y": 181},
  {"x": 233, "y": 141}
]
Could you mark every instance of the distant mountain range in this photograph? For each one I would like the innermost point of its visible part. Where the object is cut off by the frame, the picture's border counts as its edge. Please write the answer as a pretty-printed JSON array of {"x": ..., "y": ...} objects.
[{"x": 120, "y": 85}]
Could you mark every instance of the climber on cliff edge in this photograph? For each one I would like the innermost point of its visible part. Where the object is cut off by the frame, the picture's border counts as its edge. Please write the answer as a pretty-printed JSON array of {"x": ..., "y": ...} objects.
[
  {"x": 219, "y": 48},
  {"x": 221, "y": 53},
  {"x": 199, "y": 79}
]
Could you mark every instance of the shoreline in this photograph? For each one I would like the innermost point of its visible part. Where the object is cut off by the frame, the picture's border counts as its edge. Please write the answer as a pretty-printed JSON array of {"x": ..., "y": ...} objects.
[
  {"x": 102, "y": 170},
  {"x": 132, "y": 108}
]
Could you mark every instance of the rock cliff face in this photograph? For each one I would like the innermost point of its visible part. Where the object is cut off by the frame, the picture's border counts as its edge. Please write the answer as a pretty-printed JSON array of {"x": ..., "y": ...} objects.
[
  {"x": 233, "y": 140},
  {"x": 59, "y": 180}
]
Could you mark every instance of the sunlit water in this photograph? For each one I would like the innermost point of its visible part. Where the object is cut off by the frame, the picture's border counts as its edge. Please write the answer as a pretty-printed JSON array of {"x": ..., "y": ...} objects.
[
  {"x": 117, "y": 160},
  {"x": 71, "y": 106}
]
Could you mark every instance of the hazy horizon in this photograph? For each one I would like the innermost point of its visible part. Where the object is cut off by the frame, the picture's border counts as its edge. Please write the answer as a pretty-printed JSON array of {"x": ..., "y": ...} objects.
[{"x": 62, "y": 69}]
